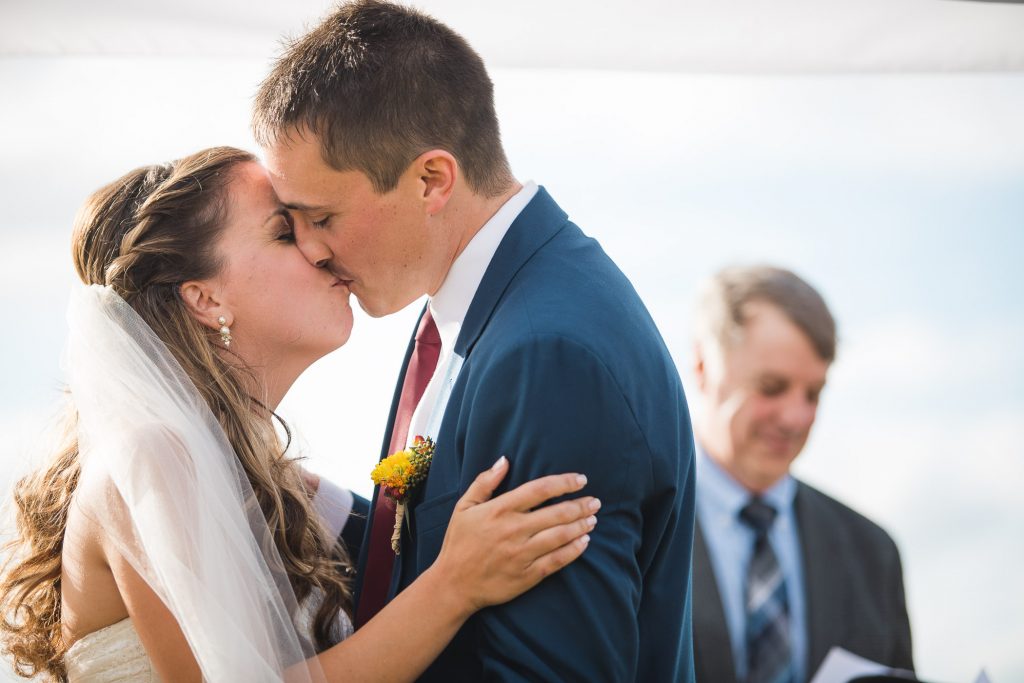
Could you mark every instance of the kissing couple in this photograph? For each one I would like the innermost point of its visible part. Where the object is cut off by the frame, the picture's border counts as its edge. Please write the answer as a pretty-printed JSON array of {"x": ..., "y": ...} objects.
[{"x": 173, "y": 537}]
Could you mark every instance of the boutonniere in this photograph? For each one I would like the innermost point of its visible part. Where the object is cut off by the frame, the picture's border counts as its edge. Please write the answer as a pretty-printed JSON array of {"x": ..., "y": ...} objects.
[{"x": 399, "y": 474}]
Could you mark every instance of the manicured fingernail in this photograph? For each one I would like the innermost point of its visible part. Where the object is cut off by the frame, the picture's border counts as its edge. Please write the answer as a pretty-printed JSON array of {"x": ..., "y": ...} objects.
[
  {"x": 497, "y": 466},
  {"x": 595, "y": 504},
  {"x": 591, "y": 521},
  {"x": 585, "y": 539},
  {"x": 581, "y": 479}
]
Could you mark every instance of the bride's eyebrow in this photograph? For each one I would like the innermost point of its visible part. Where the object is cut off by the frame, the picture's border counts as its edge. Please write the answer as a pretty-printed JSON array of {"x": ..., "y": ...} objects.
[{"x": 280, "y": 211}]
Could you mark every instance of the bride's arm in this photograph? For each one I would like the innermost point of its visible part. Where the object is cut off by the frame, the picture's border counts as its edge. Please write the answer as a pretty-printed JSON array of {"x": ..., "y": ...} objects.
[
  {"x": 492, "y": 552},
  {"x": 161, "y": 636}
]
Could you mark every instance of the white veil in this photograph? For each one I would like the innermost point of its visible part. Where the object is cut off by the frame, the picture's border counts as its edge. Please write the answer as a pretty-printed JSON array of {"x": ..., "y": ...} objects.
[{"x": 161, "y": 478}]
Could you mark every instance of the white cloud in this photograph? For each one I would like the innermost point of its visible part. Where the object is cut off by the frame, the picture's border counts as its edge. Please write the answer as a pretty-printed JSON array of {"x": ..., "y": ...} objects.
[{"x": 919, "y": 354}]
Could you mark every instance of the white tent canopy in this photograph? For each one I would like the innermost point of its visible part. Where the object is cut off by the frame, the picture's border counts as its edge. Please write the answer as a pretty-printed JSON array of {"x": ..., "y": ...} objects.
[{"x": 711, "y": 36}]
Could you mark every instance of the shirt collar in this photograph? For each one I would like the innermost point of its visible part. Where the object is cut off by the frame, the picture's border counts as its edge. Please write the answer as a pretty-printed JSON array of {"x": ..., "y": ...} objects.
[
  {"x": 451, "y": 302},
  {"x": 720, "y": 493}
]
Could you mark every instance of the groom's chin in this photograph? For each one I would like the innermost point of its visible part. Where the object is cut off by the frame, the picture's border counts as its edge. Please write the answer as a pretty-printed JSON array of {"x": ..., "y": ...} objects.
[
  {"x": 380, "y": 309},
  {"x": 375, "y": 309}
]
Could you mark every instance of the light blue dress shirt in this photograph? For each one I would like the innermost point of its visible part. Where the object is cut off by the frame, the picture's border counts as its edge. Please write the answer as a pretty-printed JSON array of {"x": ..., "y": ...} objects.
[{"x": 730, "y": 545}]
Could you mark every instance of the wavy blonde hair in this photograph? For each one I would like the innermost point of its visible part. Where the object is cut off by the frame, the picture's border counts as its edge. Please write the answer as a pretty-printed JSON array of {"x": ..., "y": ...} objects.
[{"x": 143, "y": 235}]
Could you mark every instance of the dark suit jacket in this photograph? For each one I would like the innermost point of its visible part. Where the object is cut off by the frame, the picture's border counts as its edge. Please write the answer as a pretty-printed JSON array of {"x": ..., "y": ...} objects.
[
  {"x": 565, "y": 372},
  {"x": 854, "y": 585},
  {"x": 354, "y": 531}
]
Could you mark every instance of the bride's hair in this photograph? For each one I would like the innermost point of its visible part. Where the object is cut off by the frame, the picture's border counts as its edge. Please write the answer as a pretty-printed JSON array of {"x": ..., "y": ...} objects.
[{"x": 145, "y": 234}]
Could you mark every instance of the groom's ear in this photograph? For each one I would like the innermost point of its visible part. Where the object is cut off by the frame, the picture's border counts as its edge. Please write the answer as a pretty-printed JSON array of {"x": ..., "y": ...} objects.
[
  {"x": 203, "y": 303},
  {"x": 437, "y": 171}
]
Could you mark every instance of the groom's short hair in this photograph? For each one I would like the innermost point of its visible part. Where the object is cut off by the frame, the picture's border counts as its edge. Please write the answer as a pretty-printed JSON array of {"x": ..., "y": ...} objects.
[{"x": 379, "y": 84}]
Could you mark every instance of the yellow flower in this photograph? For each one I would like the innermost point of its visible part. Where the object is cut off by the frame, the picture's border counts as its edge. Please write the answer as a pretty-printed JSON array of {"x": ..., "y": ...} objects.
[
  {"x": 400, "y": 472},
  {"x": 391, "y": 472}
]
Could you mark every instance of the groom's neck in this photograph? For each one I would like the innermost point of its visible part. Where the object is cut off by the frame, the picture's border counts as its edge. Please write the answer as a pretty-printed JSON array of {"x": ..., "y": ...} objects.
[{"x": 466, "y": 215}]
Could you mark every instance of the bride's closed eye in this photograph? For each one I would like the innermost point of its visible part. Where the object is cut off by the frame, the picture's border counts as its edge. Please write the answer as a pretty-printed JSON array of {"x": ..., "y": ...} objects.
[{"x": 286, "y": 230}]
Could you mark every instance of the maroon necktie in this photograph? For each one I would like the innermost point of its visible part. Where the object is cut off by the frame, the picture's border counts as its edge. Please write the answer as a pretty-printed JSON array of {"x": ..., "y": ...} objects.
[{"x": 380, "y": 558}]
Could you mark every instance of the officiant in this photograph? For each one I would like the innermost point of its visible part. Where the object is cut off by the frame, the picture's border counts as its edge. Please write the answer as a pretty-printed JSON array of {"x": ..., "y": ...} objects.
[{"x": 781, "y": 571}]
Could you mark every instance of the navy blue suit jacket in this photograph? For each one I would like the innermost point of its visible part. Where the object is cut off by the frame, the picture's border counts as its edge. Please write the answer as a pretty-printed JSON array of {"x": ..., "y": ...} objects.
[{"x": 565, "y": 371}]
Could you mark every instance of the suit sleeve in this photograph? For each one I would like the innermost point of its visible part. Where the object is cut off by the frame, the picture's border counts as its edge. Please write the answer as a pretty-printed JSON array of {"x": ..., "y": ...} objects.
[{"x": 554, "y": 407}]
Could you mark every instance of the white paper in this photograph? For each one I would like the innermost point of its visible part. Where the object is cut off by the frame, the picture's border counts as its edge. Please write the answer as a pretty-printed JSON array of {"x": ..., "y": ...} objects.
[{"x": 840, "y": 666}]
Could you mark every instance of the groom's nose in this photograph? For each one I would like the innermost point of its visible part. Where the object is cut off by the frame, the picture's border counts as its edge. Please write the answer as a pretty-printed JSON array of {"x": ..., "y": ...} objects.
[{"x": 313, "y": 249}]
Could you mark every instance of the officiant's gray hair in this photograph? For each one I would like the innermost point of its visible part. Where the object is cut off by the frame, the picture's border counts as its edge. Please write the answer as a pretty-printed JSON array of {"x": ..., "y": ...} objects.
[
  {"x": 722, "y": 306},
  {"x": 380, "y": 84}
]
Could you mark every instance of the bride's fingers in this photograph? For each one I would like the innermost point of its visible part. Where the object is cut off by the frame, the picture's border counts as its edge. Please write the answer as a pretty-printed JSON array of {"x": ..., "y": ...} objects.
[
  {"x": 483, "y": 486},
  {"x": 559, "y": 513},
  {"x": 555, "y": 537},
  {"x": 550, "y": 563},
  {"x": 533, "y": 493}
]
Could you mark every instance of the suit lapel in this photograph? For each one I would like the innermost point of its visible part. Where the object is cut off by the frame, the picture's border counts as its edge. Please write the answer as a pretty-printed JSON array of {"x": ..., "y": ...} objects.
[
  {"x": 820, "y": 556},
  {"x": 712, "y": 647},
  {"x": 536, "y": 224},
  {"x": 533, "y": 227}
]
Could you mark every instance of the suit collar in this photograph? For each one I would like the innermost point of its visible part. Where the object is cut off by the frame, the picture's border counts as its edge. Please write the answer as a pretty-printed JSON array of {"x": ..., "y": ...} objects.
[
  {"x": 720, "y": 495},
  {"x": 533, "y": 227},
  {"x": 450, "y": 303}
]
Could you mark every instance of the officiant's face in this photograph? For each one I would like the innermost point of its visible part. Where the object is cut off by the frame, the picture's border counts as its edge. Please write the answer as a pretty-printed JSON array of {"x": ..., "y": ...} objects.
[
  {"x": 379, "y": 243},
  {"x": 762, "y": 398}
]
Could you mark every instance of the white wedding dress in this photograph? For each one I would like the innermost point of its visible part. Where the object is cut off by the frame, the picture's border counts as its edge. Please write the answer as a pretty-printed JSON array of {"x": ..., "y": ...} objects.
[
  {"x": 109, "y": 655},
  {"x": 114, "y": 654}
]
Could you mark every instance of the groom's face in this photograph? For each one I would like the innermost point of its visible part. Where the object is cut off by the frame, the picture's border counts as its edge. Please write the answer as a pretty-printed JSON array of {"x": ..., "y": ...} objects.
[{"x": 378, "y": 243}]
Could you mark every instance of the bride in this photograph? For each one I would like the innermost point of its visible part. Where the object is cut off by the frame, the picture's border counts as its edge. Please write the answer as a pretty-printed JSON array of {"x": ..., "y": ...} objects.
[{"x": 170, "y": 536}]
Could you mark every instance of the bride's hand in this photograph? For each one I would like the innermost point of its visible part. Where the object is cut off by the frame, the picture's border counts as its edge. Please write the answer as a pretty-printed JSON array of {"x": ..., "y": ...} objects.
[{"x": 495, "y": 550}]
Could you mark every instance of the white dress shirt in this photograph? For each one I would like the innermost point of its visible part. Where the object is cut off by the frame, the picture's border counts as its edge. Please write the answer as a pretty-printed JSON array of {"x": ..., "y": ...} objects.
[
  {"x": 333, "y": 504},
  {"x": 451, "y": 303}
]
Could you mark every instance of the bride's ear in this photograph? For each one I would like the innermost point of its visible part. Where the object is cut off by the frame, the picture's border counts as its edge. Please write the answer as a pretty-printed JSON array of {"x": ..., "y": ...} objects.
[{"x": 203, "y": 303}]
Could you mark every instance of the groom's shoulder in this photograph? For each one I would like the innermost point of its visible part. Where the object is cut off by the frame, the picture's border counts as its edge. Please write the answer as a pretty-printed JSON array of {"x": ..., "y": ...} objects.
[
  {"x": 572, "y": 288},
  {"x": 571, "y": 294}
]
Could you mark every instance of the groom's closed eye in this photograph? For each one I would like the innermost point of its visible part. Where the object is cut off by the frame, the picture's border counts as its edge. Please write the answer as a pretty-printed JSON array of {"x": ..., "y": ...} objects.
[
  {"x": 320, "y": 224},
  {"x": 309, "y": 211}
]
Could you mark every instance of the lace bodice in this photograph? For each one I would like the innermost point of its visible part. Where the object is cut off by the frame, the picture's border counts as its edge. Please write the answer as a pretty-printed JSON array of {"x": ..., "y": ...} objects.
[{"x": 109, "y": 655}]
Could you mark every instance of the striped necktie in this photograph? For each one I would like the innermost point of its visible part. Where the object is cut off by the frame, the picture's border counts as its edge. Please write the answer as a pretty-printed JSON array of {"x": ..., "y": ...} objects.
[{"x": 769, "y": 653}]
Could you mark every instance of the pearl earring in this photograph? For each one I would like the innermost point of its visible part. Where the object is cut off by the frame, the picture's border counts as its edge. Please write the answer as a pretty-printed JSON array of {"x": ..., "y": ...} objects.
[{"x": 225, "y": 331}]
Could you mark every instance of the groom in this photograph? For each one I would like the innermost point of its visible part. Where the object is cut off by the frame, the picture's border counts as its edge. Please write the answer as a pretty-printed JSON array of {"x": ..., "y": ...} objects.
[{"x": 380, "y": 134}]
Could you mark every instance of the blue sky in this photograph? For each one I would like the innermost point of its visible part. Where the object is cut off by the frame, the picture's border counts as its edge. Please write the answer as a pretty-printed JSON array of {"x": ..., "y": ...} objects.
[{"x": 900, "y": 196}]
